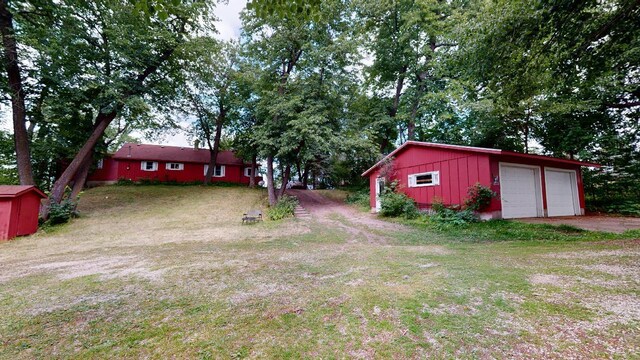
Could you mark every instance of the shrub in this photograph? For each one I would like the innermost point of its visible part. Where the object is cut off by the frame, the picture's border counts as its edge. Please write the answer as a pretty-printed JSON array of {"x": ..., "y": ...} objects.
[
  {"x": 63, "y": 212},
  {"x": 479, "y": 197},
  {"x": 124, "y": 181},
  {"x": 284, "y": 208},
  {"x": 393, "y": 204},
  {"x": 360, "y": 198},
  {"x": 452, "y": 214}
]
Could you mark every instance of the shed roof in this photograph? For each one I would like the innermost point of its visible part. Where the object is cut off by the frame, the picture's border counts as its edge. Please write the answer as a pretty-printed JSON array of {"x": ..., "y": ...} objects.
[
  {"x": 474, "y": 149},
  {"x": 11, "y": 191},
  {"x": 132, "y": 151}
]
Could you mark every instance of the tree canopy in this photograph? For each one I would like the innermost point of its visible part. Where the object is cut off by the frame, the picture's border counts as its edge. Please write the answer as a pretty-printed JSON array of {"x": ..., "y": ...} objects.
[{"x": 320, "y": 90}]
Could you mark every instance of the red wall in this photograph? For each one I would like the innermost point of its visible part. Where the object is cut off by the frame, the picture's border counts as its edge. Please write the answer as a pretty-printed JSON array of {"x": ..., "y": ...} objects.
[
  {"x": 458, "y": 171},
  {"x": 19, "y": 215},
  {"x": 131, "y": 169},
  {"x": 109, "y": 171}
]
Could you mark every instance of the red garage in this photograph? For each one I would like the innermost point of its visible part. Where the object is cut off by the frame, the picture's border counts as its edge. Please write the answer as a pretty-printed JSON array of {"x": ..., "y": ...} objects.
[
  {"x": 19, "y": 209},
  {"x": 527, "y": 185}
]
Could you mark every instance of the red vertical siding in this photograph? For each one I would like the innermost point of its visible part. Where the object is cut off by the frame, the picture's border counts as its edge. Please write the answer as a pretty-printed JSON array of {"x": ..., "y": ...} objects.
[
  {"x": 458, "y": 170},
  {"x": 109, "y": 171}
]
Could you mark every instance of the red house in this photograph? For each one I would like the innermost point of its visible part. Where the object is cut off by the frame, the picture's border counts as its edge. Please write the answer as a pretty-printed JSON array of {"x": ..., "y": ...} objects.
[
  {"x": 19, "y": 209},
  {"x": 527, "y": 185},
  {"x": 168, "y": 163}
]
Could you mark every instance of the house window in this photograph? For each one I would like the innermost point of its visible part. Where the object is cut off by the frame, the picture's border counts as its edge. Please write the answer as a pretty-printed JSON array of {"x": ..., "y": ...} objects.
[
  {"x": 100, "y": 164},
  {"x": 217, "y": 172},
  {"x": 149, "y": 166},
  {"x": 175, "y": 166},
  {"x": 247, "y": 172},
  {"x": 424, "y": 179}
]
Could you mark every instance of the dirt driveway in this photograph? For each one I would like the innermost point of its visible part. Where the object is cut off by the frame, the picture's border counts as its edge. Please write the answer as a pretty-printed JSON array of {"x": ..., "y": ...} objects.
[
  {"x": 358, "y": 224},
  {"x": 615, "y": 224}
]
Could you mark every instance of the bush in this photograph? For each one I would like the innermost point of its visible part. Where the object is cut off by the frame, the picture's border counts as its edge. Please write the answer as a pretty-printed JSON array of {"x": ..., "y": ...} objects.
[
  {"x": 284, "y": 208},
  {"x": 448, "y": 216},
  {"x": 63, "y": 212},
  {"x": 360, "y": 198},
  {"x": 124, "y": 181},
  {"x": 479, "y": 197},
  {"x": 452, "y": 214},
  {"x": 393, "y": 204}
]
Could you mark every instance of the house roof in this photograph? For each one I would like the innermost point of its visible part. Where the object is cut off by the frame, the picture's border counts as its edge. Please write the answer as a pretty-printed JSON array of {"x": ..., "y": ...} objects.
[
  {"x": 11, "y": 191},
  {"x": 130, "y": 151},
  {"x": 474, "y": 149}
]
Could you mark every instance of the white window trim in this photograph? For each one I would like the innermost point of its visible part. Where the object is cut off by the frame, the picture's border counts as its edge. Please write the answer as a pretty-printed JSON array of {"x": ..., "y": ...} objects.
[
  {"x": 435, "y": 176},
  {"x": 143, "y": 166},
  {"x": 246, "y": 171},
  {"x": 180, "y": 166},
  {"x": 222, "y": 170}
]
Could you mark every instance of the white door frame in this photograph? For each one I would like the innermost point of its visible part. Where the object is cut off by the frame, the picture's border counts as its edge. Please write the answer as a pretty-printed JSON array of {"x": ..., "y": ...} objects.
[
  {"x": 574, "y": 188},
  {"x": 378, "y": 202},
  {"x": 537, "y": 181}
]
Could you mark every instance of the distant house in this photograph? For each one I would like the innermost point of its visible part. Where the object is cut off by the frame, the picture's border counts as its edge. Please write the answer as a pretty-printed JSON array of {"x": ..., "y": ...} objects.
[
  {"x": 138, "y": 162},
  {"x": 527, "y": 185}
]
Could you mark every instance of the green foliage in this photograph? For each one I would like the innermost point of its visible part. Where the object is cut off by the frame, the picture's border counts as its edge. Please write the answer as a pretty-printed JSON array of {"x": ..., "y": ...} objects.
[
  {"x": 63, "y": 212},
  {"x": 396, "y": 204},
  {"x": 478, "y": 197},
  {"x": 453, "y": 215},
  {"x": 360, "y": 198},
  {"x": 284, "y": 208}
]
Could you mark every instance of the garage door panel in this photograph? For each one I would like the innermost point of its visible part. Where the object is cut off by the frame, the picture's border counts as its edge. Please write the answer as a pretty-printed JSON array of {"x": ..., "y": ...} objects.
[
  {"x": 561, "y": 193},
  {"x": 518, "y": 192}
]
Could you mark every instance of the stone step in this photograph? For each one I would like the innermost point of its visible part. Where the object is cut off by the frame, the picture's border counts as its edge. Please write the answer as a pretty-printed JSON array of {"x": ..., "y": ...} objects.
[{"x": 301, "y": 213}]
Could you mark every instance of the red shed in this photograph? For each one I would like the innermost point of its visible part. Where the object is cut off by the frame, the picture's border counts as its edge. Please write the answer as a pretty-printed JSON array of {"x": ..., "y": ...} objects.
[
  {"x": 527, "y": 185},
  {"x": 19, "y": 208}
]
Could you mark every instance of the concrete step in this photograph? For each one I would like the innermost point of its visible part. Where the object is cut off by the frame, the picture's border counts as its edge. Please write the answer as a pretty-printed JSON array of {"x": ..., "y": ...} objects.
[{"x": 301, "y": 213}]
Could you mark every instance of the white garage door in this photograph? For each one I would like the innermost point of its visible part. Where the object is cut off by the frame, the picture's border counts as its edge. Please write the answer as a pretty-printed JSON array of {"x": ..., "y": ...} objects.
[
  {"x": 519, "y": 191},
  {"x": 562, "y": 194}
]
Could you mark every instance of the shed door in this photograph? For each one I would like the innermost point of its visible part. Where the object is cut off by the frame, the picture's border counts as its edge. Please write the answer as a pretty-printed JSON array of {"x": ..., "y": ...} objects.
[
  {"x": 520, "y": 191},
  {"x": 562, "y": 192},
  {"x": 379, "y": 192}
]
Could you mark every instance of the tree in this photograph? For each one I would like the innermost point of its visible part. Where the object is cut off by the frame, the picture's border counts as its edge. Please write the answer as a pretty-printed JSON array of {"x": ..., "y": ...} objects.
[
  {"x": 14, "y": 76},
  {"x": 110, "y": 60},
  {"x": 212, "y": 85}
]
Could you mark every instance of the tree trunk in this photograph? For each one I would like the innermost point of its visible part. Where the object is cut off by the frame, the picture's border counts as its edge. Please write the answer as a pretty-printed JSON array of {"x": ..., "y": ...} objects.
[
  {"x": 80, "y": 179},
  {"x": 216, "y": 147},
  {"x": 271, "y": 190},
  {"x": 305, "y": 175},
  {"x": 285, "y": 179},
  {"x": 252, "y": 178},
  {"x": 102, "y": 122},
  {"x": 20, "y": 136}
]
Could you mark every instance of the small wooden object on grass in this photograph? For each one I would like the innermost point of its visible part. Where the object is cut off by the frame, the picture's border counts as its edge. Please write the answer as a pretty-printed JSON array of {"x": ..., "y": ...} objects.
[{"x": 252, "y": 216}]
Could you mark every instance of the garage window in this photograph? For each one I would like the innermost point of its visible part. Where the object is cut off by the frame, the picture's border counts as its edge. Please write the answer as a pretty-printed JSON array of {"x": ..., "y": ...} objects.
[{"x": 431, "y": 178}]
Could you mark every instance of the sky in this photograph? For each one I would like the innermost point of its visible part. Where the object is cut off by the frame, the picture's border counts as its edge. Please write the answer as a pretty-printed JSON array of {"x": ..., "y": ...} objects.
[{"x": 228, "y": 28}]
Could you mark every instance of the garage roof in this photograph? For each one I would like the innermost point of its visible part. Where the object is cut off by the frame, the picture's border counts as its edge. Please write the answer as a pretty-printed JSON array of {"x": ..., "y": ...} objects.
[{"x": 479, "y": 150}]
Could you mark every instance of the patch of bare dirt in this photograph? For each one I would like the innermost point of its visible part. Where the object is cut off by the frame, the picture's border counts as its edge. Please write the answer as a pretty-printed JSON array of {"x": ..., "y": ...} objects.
[
  {"x": 614, "y": 224},
  {"x": 358, "y": 224},
  {"x": 107, "y": 267}
]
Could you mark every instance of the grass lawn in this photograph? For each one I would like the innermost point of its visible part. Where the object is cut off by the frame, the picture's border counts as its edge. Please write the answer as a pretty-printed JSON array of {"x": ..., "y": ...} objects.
[{"x": 170, "y": 272}]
